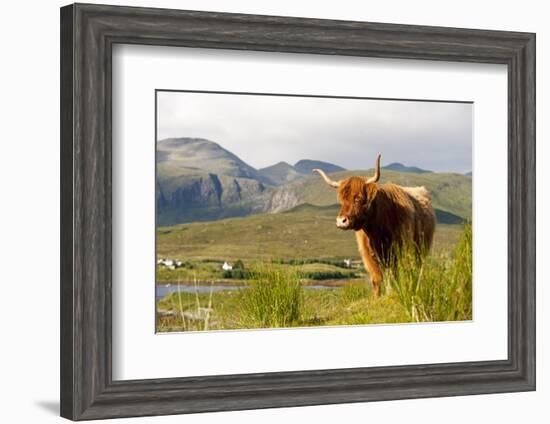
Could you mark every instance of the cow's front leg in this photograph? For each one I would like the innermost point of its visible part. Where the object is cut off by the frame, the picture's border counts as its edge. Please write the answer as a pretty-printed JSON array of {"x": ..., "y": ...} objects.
[{"x": 370, "y": 261}]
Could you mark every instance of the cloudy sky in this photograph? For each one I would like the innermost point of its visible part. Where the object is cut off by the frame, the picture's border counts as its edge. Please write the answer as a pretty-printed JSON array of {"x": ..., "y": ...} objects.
[{"x": 263, "y": 130}]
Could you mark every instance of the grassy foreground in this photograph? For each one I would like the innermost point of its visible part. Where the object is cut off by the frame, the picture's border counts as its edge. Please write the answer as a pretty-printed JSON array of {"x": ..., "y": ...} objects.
[
  {"x": 436, "y": 289},
  {"x": 350, "y": 304}
]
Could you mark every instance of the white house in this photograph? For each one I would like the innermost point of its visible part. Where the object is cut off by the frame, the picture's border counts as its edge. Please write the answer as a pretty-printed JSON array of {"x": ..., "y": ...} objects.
[
  {"x": 347, "y": 263},
  {"x": 169, "y": 263},
  {"x": 226, "y": 267}
]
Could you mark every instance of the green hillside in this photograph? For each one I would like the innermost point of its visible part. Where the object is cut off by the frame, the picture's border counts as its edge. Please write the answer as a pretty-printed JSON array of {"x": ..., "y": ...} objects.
[
  {"x": 450, "y": 192},
  {"x": 195, "y": 195}
]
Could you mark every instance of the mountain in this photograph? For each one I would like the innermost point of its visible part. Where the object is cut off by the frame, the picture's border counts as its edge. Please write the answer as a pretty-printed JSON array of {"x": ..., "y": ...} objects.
[
  {"x": 198, "y": 180},
  {"x": 305, "y": 166},
  {"x": 283, "y": 173},
  {"x": 468, "y": 174},
  {"x": 198, "y": 153},
  {"x": 396, "y": 166},
  {"x": 280, "y": 173}
]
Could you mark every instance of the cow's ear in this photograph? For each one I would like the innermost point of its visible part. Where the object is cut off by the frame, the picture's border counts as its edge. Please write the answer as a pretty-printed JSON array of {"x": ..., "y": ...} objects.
[{"x": 371, "y": 190}]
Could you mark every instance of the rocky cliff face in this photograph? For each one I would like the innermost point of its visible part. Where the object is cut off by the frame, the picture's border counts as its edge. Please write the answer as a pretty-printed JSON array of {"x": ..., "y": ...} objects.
[
  {"x": 281, "y": 199},
  {"x": 199, "y": 191},
  {"x": 197, "y": 179},
  {"x": 207, "y": 197}
]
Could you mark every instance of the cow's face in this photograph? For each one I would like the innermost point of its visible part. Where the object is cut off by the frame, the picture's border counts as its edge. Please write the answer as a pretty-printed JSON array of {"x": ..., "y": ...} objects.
[{"x": 355, "y": 195}]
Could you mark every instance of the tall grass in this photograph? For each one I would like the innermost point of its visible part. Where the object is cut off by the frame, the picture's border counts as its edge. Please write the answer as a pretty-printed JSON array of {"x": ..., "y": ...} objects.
[
  {"x": 354, "y": 291},
  {"x": 437, "y": 288},
  {"x": 189, "y": 314},
  {"x": 274, "y": 298}
]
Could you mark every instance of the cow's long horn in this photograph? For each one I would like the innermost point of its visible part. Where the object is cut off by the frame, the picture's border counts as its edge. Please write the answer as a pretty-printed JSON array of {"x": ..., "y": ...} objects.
[
  {"x": 376, "y": 176},
  {"x": 330, "y": 182}
]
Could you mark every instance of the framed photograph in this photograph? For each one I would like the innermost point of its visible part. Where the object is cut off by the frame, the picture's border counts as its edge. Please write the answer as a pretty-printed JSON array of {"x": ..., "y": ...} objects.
[{"x": 294, "y": 211}]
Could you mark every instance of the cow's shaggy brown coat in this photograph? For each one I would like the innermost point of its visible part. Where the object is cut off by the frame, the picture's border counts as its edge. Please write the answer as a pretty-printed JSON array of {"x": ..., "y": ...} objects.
[{"x": 384, "y": 216}]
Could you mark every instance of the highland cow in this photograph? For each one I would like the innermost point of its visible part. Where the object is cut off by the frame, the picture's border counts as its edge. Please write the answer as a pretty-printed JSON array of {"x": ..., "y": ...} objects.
[{"x": 384, "y": 217}]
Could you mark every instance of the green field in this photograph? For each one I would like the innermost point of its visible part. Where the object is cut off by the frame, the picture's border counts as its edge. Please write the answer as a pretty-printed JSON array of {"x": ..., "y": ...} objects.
[
  {"x": 306, "y": 232},
  {"x": 294, "y": 250}
]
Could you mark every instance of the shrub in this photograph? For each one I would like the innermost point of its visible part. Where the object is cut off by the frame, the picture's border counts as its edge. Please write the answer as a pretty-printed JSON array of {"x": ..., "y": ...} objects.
[
  {"x": 274, "y": 299},
  {"x": 238, "y": 274},
  {"x": 304, "y": 261},
  {"x": 326, "y": 275}
]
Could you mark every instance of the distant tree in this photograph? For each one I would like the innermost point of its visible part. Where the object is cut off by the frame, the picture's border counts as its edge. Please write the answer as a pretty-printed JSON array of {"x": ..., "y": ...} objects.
[{"x": 238, "y": 264}]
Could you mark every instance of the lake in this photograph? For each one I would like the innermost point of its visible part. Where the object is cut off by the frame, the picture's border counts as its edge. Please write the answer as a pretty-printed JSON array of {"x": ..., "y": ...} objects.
[{"x": 164, "y": 290}]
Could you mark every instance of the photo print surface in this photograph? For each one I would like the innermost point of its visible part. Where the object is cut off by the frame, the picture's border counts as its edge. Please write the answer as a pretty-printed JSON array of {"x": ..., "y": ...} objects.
[{"x": 281, "y": 211}]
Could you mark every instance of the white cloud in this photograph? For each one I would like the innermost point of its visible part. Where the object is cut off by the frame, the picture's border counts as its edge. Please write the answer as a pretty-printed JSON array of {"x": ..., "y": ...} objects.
[{"x": 263, "y": 130}]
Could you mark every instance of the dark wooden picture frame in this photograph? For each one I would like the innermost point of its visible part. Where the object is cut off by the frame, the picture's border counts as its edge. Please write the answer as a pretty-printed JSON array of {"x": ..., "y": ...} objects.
[{"x": 88, "y": 33}]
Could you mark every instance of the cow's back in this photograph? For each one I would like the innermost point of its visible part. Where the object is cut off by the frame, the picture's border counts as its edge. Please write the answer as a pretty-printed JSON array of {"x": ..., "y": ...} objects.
[{"x": 424, "y": 216}]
